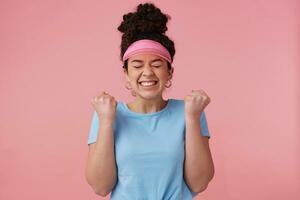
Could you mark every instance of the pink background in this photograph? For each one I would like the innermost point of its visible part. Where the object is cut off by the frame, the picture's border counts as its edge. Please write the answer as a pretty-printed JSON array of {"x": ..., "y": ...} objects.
[{"x": 56, "y": 55}]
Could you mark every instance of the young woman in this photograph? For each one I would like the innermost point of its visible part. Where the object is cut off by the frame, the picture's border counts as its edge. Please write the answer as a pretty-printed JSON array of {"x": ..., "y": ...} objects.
[{"x": 151, "y": 148}]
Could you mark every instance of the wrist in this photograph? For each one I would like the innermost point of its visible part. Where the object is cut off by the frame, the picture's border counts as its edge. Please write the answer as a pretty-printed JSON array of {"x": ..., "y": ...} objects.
[
  {"x": 106, "y": 119},
  {"x": 192, "y": 116}
]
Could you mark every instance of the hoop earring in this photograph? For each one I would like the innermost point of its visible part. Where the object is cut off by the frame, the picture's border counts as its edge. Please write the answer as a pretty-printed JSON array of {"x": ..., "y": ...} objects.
[
  {"x": 130, "y": 88},
  {"x": 168, "y": 86},
  {"x": 127, "y": 87}
]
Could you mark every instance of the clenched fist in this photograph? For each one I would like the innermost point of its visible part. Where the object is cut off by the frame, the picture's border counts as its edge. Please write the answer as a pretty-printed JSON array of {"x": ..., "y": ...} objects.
[
  {"x": 195, "y": 103},
  {"x": 105, "y": 106}
]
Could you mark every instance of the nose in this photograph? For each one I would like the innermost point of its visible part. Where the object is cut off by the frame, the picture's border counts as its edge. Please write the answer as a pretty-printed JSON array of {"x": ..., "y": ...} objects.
[{"x": 147, "y": 70}]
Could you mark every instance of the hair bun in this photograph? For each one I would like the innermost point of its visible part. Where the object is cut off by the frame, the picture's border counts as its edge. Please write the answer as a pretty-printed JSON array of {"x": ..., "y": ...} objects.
[{"x": 147, "y": 19}]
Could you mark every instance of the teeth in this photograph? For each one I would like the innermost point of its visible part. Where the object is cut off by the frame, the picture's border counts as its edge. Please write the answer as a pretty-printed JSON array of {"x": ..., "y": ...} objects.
[{"x": 147, "y": 83}]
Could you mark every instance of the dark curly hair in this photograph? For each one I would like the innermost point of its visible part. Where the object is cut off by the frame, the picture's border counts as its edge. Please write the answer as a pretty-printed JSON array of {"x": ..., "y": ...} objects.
[{"x": 148, "y": 22}]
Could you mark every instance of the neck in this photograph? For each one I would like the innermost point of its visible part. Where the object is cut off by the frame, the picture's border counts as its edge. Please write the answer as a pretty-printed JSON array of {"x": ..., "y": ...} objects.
[{"x": 141, "y": 105}]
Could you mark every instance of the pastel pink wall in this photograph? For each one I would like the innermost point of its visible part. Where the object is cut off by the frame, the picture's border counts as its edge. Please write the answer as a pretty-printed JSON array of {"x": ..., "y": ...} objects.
[{"x": 56, "y": 55}]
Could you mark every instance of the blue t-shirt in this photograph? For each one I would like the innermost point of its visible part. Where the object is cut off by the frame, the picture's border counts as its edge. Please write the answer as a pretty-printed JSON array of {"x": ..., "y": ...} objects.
[{"x": 149, "y": 151}]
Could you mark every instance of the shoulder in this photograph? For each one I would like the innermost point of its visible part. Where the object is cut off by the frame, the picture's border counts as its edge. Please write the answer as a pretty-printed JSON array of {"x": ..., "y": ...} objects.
[{"x": 177, "y": 102}]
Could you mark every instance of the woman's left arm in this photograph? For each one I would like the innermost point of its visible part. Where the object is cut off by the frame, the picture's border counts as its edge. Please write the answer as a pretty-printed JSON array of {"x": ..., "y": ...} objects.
[{"x": 198, "y": 164}]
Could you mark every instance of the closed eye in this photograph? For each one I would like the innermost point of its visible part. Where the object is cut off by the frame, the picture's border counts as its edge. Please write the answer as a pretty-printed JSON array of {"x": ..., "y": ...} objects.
[{"x": 156, "y": 65}]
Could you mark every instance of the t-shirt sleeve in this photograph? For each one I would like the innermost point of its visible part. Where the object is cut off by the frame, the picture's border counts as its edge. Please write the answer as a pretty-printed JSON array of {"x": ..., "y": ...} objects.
[
  {"x": 204, "y": 125},
  {"x": 93, "y": 133}
]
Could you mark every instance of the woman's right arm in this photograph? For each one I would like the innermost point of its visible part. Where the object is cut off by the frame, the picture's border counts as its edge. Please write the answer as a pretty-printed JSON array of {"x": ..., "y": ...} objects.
[{"x": 101, "y": 166}]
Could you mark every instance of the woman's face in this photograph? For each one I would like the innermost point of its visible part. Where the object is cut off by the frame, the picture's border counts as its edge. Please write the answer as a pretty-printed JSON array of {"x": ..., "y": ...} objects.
[{"x": 148, "y": 75}]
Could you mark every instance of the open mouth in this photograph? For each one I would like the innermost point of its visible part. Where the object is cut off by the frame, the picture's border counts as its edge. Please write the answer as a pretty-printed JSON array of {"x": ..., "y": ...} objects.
[{"x": 148, "y": 83}]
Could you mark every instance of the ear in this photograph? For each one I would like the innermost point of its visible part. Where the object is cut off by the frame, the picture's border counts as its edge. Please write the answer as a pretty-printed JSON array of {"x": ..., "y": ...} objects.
[
  {"x": 171, "y": 71},
  {"x": 126, "y": 75}
]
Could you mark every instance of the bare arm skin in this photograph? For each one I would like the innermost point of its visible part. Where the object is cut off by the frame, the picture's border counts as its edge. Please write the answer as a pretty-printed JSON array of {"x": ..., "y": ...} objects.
[
  {"x": 101, "y": 166},
  {"x": 198, "y": 165}
]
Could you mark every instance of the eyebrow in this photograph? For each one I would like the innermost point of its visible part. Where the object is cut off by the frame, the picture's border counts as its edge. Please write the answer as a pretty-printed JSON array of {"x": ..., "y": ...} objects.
[{"x": 158, "y": 59}]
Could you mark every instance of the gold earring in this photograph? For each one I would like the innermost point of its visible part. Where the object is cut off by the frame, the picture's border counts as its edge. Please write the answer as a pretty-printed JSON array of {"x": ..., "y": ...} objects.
[
  {"x": 167, "y": 86},
  {"x": 128, "y": 87}
]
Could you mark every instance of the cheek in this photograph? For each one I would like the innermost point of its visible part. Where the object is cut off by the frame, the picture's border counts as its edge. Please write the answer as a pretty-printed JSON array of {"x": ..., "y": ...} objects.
[
  {"x": 163, "y": 76},
  {"x": 133, "y": 77}
]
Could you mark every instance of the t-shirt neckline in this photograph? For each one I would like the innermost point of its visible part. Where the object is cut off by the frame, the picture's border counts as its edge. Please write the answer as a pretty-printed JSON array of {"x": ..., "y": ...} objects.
[{"x": 146, "y": 114}]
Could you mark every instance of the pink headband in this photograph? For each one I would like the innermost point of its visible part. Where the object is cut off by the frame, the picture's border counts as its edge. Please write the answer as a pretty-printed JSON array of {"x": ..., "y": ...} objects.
[{"x": 147, "y": 46}]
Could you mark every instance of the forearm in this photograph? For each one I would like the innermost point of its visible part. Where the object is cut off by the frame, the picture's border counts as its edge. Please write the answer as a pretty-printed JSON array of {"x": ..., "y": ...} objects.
[
  {"x": 198, "y": 165},
  {"x": 101, "y": 167}
]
